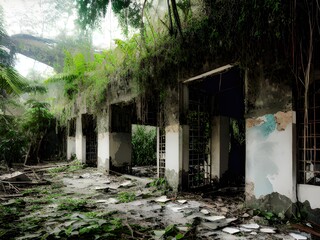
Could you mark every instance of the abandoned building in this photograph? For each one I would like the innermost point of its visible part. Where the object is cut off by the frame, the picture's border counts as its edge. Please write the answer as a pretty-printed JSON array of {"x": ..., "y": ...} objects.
[{"x": 277, "y": 161}]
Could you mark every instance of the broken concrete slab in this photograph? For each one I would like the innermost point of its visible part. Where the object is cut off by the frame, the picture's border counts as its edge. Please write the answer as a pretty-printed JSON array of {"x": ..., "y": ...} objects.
[
  {"x": 205, "y": 211},
  {"x": 242, "y": 229},
  {"x": 267, "y": 230},
  {"x": 126, "y": 184},
  {"x": 245, "y": 215},
  {"x": 162, "y": 199},
  {"x": 251, "y": 226},
  {"x": 218, "y": 224},
  {"x": 298, "y": 236},
  {"x": 214, "y": 218},
  {"x": 230, "y": 230}
]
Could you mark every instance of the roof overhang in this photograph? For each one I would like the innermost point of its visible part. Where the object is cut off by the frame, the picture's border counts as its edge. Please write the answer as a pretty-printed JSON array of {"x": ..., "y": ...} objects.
[{"x": 211, "y": 73}]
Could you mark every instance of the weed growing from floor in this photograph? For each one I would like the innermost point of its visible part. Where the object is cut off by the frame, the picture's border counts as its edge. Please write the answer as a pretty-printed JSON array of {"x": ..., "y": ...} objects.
[
  {"x": 71, "y": 205},
  {"x": 160, "y": 184},
  {"x": 125, "y": 197}
]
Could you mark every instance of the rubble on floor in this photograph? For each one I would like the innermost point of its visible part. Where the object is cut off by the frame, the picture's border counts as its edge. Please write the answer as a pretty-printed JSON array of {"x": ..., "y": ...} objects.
[{"x": 76, "y": 200}]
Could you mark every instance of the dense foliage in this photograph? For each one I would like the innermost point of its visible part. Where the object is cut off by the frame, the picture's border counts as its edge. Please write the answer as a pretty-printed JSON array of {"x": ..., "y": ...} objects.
[
  {"x": 258, "y": 35},
  {"x": 144, "y": 146}
]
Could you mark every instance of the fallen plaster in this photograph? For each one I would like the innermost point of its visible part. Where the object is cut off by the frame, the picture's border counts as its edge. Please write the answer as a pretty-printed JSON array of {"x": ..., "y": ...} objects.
[{"x": 273, "y": 202}]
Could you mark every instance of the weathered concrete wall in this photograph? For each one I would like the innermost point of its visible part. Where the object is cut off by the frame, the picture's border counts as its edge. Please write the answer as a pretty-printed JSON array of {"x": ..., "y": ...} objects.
[
  {"x": 309, "y": 193},
  {"x": 103, "y": 151},
  {"x": 120, "y": 149},
  {"x": 219, "y": 146},
  {"x": 266, "y": 94},
  {"x": 71, "y": 147},
  {"x": 269, "y": 158}
]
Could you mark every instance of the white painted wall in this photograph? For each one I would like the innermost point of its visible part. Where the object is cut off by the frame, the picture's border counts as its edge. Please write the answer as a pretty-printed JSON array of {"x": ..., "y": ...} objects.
[
  {"x": 103, "y": 151},
  {"x": 80, "y": 143},
  {"x": 269, "y": 157},
  {"x": 71, "y": 146},
  {"x": 172, "y": 156},
  {"x": 309, "y": 193}
]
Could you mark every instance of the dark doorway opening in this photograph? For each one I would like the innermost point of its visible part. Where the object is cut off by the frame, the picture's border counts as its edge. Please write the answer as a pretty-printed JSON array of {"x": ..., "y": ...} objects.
[{"x": 89, "y": 125}]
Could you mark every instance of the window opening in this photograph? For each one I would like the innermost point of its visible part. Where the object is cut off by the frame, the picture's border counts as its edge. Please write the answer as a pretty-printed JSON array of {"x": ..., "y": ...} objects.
[
  {"x": 309, "y": 137},
  {"x": 199, "y": 134}
]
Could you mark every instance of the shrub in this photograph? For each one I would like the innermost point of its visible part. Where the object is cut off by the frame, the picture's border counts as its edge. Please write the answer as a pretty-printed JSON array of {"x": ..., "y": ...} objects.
[{"x": 144, "y": 146}]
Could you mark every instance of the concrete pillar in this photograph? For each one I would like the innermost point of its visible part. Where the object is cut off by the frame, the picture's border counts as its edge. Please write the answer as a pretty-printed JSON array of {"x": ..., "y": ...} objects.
[
  {"x": 177, "y": 156},
  {"x": 158, "y": 152},
  {"x": 220, "y": 140},
  {"x": 71, "y": 147},
  {"x": 177, "y": 141},
  {"x": 80, "y": 141},
  {"x": 103, "y": 121}
]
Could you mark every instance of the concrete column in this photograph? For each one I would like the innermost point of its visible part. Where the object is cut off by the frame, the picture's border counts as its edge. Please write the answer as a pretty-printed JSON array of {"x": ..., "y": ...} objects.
[
  {"x": 80, "y": 141},
  {"x": 220, "y": 140},
  {"x": 158, "y": 152},
  {"x": 103, "y": 121},
  {"x": 177, "y": 142},
  {"x": 71, "y": 146}
]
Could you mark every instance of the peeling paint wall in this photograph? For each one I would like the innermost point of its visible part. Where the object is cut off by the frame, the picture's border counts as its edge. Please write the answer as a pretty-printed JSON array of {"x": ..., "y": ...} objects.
[{"x": 269, "y": 155}]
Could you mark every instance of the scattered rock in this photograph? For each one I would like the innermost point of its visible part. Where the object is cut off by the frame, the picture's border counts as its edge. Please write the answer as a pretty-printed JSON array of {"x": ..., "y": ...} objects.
[
  {"x": 224, "y": 209},
  {"x": 111, "y": 201},
  {"x": 245, "y": 215},
  {"x": 162, "y": 199},
  {"x": 253, "y": 233},
  {"x": 231, "y": 230},
  {"x": 242, "y": 229},
  {"x": 250, "y": 226},
  {"x": 126, "y": 184},
  {"x": 182, "y": 201},
  {"x": 267, "y": 230},
  {"x": 214, "y": 218},
  {"x": 205, "y": 211}
]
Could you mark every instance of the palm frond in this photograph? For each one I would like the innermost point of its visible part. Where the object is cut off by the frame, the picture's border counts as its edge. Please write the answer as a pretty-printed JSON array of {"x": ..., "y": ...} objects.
[
  {"x": 67, "y": 77},
  {"x": 11, "y": 81}
]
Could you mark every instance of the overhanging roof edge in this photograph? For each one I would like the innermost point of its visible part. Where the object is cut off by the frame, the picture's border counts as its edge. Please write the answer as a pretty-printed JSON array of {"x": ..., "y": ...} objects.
[{"x": 210, "y": 73}]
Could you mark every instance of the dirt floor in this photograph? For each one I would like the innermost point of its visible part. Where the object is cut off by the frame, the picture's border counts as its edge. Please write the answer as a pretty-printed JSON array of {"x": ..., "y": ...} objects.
[{"x": 71, "y": 202}]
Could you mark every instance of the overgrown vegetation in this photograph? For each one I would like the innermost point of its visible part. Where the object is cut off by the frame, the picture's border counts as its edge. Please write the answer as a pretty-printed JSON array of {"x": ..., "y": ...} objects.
[
  {"x": 144, "y": 146},
  {"x": 125, "y": 197}
]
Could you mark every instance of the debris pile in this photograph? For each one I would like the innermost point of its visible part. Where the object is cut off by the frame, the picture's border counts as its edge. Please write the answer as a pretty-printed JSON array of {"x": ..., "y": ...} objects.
[{"x": 81, "y": 203}]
